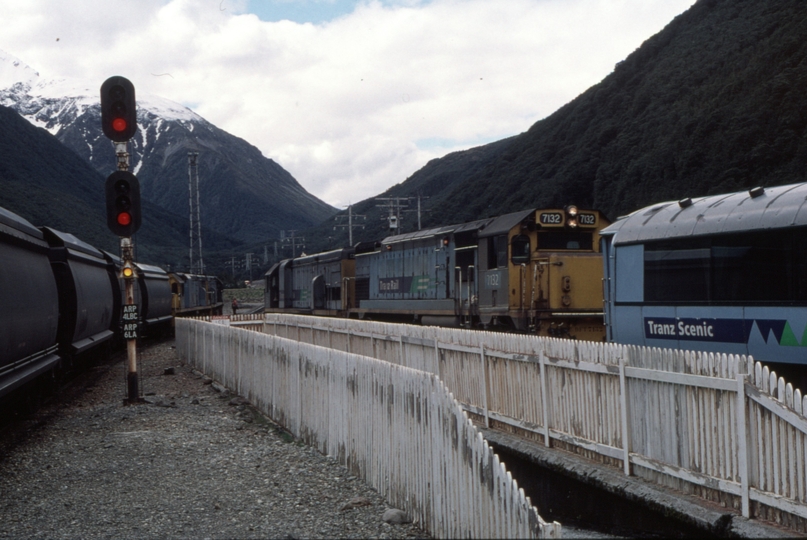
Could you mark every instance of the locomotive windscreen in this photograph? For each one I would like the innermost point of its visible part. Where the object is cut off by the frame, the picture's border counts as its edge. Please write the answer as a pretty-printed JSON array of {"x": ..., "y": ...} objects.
[{"x": 564, "y": 239}]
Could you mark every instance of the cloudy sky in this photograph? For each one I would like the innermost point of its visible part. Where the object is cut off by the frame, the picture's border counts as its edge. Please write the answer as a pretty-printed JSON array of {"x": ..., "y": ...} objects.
[{"x": 351, "y": 97}]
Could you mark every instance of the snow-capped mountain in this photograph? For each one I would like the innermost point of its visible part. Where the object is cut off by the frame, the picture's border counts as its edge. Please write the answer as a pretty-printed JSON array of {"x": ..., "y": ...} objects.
[{"x": 243, "y": 194}]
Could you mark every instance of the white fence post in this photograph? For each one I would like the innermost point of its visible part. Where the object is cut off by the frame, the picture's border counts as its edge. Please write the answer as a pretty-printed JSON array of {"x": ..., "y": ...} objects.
[
  {"x": 402, "y": 350},
  {"x": 437, "y": 358},
  {"x": 742, "y": 444},
  {"x": 485, "y": 384},
  {"x": 623, "y": 401},
  {"x": 544, "y": 398}
]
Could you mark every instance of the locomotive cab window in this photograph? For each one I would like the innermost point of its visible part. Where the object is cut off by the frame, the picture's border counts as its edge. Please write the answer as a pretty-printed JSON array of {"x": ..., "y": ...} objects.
[
  {"x": 557, "y": 240},
  {"x": 497, "y": 252},
  {"x": 520, "y": 249}
]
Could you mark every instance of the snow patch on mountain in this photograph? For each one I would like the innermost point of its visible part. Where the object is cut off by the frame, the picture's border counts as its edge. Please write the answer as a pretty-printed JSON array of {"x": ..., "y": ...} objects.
[
  {"x": 13, "y": 70},
  {"x": 54, "y": 103},
  {"x": 233, "y": 173}
]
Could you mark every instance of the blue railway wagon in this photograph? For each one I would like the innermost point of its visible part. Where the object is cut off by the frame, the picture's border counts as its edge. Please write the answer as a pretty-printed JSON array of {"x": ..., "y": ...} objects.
[
  {"x": 724, "y": 273},
  {"x": 409, "y": 275},
  {"x": 321, "y": 284}
]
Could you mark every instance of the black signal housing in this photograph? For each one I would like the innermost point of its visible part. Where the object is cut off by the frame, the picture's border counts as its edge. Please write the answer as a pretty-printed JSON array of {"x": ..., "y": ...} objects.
[
  {"x": 123, "y": 203},
  {"x": 118, "y": 109}
]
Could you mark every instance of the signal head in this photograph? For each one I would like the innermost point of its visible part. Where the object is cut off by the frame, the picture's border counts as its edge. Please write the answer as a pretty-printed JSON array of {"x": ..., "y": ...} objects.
[
  {"x": 118, "y": 109},
  {"x": 127, "y": 271},
  {"x": 123, "y": 203}
]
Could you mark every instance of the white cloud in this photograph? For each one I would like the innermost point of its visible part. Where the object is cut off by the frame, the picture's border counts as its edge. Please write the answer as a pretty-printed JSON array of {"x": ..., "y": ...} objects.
[{"x": 354, "y": 105}]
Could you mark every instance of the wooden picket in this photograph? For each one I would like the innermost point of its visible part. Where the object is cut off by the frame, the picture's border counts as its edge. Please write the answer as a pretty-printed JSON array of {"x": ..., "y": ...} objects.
[
  {"x": 398, "y": 428},
  {"x": 723, "y": 426}
]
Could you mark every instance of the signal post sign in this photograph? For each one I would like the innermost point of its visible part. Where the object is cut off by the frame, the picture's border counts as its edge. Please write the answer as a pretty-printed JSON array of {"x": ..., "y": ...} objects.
[{"x": 130, "y": 319}]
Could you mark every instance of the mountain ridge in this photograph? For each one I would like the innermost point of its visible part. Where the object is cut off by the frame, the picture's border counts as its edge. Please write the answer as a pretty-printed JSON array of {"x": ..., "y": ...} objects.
[
  {"x": 243, "y": 194},
  {"x": 70, "y": 194}
]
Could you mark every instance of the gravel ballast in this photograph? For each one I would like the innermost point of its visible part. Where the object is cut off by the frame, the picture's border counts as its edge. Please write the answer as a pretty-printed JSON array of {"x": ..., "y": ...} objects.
[{"x": 192, "y": 462}]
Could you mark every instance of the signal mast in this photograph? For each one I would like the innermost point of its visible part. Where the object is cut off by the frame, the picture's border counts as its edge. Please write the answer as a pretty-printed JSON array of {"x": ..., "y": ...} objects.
[{"x": 122, "y": 190}]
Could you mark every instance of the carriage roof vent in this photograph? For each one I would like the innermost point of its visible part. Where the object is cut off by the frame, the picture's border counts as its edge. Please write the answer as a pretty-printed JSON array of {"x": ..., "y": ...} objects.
[
  {"x": 685, "y": 203},
  {"x": 756, "y": 192}
]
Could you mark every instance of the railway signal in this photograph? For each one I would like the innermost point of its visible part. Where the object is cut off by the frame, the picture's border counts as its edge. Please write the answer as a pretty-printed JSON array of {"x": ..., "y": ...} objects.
[
  {"x": 119, "y": 122},
  {"x": 118, "y": 109},
  {"x": 123, "y": 203}
]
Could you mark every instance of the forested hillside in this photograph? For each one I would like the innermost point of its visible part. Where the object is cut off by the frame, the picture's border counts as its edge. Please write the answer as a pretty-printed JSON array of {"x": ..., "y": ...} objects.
[{"x": 713, "y": 103}]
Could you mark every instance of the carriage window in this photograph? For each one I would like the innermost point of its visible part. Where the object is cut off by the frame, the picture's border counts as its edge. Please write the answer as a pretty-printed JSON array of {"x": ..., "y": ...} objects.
[
  {"x": 760, "y": 267},
  {"x": 520, "y": 249},
  {"x": 676, "y": 274}
]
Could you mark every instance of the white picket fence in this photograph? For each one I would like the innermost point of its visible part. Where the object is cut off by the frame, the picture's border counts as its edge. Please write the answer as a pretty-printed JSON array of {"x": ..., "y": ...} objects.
[
  {"x": 719, "y": 426},
  {"x": 397, "y": 428}
]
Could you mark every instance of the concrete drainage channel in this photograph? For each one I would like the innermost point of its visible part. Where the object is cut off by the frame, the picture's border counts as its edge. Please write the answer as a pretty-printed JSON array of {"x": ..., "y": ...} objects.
[
  {"x": 579, "y": 493},
  {"x": 572, "y": 502}
]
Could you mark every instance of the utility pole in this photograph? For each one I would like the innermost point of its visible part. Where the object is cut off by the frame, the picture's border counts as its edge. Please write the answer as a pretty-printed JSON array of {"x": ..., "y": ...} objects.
[
  {"x": 350, "y": 224},
  {"x": 195, "y": 216},
  {"x": 395, "y": 205},
  {"x": 419, "y": 198},
  {"x": 294, "y": 242}
]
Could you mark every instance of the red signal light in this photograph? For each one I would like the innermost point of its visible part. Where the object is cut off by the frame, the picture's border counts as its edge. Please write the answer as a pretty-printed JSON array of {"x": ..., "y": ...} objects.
[
  {"x": 124, "y": 219},
  {"x": 119, "y": 124}
]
